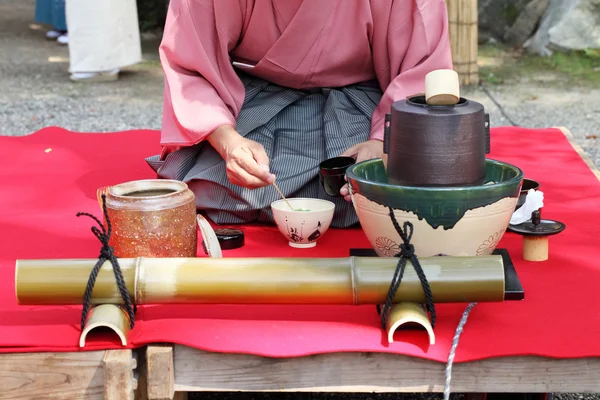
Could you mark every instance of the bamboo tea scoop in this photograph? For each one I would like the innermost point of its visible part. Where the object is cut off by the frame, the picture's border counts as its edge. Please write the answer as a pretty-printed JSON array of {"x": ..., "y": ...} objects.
[
  {"x": 275, "y": 185},
  {"x": 283, "y": 197}
]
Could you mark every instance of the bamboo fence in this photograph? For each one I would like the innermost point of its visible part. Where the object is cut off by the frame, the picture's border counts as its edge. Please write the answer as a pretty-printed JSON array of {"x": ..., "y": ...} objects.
[{"x": 463, "y": 22}]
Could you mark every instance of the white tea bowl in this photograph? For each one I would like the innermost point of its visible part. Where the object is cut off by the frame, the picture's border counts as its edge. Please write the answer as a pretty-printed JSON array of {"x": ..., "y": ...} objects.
[{"x": 306, "y": 223}]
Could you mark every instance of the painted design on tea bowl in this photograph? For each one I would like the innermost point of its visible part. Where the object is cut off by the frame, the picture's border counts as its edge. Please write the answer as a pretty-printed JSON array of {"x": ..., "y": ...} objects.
[
  {"x": 447, "y": 220},
  {"x": 296, "y": 234},
  {"x": 490, "y": 244},
  {"x": 387, "y": 246}
]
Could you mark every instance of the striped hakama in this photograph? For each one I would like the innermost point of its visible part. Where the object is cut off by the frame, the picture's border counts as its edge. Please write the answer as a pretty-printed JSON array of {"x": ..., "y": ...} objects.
[{"x": 298, "y": 129}]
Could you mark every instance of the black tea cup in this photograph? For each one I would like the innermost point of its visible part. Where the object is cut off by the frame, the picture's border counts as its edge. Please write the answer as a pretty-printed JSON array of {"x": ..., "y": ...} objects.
[{"x": 332, "y": 172}]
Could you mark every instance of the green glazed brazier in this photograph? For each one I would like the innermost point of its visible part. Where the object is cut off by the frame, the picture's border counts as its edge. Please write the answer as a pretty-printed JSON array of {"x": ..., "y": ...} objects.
[{"x": 448, "y": 220}]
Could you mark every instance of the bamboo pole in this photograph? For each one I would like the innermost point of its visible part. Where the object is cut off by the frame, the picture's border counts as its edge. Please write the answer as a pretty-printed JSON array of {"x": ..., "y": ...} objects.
[
  {"x": 463, "y": 25},
  {"x": 351, "y": 281}
]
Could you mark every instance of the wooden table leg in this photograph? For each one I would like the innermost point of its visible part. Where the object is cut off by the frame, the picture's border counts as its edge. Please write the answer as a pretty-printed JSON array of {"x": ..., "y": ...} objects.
[
  {"x": 119, "y": 383},
  {"x": 160, "y": 374}
]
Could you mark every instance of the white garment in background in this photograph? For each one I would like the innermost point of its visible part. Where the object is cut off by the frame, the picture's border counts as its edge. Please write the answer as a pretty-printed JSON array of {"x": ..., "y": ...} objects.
[{"x": 103, "y": 34}]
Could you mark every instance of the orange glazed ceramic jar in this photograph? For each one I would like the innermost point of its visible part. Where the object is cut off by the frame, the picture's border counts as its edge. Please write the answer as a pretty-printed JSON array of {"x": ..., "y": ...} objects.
[{"x": 151, "y": 218}]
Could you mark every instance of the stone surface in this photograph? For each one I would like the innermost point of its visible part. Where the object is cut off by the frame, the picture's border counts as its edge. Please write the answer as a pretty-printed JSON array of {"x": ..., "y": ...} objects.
[
  {"x": 579, "y": 29},
  {"x": 557, "y": 10},
  {"x": 526, "y": 23},
  {"x": 497, "y": 16}
]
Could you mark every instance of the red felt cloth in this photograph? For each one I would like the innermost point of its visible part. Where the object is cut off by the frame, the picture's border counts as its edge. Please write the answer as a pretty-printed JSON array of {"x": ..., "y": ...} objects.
[{"x": 49, "y": 176}]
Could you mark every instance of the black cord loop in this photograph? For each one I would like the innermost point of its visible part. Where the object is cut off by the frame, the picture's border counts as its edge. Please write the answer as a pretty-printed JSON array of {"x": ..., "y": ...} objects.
[{"x": 106, "y": 254}]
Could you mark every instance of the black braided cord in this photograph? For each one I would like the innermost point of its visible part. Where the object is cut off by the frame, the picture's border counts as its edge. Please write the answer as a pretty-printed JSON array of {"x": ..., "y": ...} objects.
[
  {"x": 407, "y": 252},
  {"x": 106, "y": 254}
]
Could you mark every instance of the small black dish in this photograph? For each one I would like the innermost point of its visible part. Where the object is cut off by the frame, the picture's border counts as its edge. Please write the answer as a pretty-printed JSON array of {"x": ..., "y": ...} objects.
[
  {"x": 332, "y": 172},
  {"x": 527, "y": 185}
]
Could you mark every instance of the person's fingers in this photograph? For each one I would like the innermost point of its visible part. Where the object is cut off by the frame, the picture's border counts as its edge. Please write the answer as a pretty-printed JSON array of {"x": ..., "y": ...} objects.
[
  {"x": 238, "y": 176},
  {"x": 344, "y": 190},
  {"x": 361, "y": 156},
  {"x": 244, "y": 158},
  {"x": 262, "y": 159},
  {"x": 367, "y": 154},
  {"x": 259, "y": 153},
  {"x": 352, "y": 151}
]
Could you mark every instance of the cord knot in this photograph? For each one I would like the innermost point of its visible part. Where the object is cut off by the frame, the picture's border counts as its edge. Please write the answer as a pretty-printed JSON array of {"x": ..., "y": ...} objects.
[
  {"x": 407, "y": 253},
  {"x": 407, "y": 250},
  {"x": 107, "y": 252}
]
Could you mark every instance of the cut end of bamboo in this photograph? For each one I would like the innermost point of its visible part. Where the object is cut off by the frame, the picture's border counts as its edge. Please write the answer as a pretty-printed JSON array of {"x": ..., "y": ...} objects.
[
  {"x": 406, "y": 314},
  {"x": 106, "y": 316}
]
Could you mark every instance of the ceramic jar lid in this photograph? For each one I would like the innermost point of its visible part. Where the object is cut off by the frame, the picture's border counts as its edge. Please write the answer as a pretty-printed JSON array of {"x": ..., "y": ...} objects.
[
  {"x": 230, "y": 238},
  {"x": 538, "y": 226}
]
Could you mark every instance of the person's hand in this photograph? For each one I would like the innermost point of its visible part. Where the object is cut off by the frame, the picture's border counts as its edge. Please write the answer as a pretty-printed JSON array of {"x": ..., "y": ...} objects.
[
  {"x": 246, "y": 161},
  {"x": 362, "y": 152}
]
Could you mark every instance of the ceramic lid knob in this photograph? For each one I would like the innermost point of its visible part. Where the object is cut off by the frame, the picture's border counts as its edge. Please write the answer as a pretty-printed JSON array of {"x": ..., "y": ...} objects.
[
  {"x": 536, "y": 217},
  {"x": 442, "y": 87}
]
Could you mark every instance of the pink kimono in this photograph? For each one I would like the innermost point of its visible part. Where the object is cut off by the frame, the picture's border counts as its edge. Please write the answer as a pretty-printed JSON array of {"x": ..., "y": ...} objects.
[{"x": 306, "y": 78}]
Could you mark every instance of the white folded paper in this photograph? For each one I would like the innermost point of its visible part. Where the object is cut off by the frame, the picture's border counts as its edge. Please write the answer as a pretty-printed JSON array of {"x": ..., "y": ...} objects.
[{"x": 533, "y": 202}]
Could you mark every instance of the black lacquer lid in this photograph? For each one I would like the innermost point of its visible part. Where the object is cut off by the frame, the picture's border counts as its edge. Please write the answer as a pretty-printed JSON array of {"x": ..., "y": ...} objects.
[
  {"x": 230, "y": 238},
  {"x": 538, "y": 226}
]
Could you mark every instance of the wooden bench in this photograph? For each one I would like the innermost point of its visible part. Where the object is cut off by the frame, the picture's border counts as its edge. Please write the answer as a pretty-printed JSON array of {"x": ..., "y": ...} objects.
[
  {"x": 106, "y": 374},
  {"x": 174, "y": 370}
]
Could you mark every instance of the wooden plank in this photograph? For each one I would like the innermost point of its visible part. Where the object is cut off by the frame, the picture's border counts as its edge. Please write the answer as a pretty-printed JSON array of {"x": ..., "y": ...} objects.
[
  {"x": 118, "y": 375},
  {"x": 197, "y": 370},
  {"x": 140, "y": 375},
  {"x": 580, "y": 151},
  {"x": 52, "y": 376},
  {"x": 160, "y": 373}
]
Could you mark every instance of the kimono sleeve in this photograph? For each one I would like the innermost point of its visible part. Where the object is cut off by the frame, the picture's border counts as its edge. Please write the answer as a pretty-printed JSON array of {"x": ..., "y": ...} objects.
[
  {"x": 412, "y": 45},
  {"x": 202, "y": 90}
]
